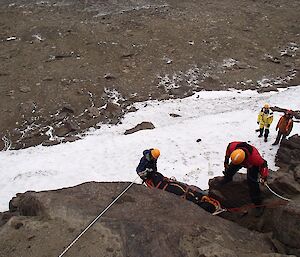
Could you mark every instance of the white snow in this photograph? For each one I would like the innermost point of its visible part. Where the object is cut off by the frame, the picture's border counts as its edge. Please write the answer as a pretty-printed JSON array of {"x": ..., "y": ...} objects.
[{"x": 217, "y": 118}]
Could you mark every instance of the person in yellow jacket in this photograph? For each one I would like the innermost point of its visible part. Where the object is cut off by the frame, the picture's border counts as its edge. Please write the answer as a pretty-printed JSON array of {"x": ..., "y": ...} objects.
[{"x": 264, "y": 119}]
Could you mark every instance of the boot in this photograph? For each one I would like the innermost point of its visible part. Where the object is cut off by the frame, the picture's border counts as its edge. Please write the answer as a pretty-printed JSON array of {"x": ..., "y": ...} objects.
[
  {"x": 266, "y": 134},
  {"x": 261, "y": 131},
  {"x": 224, "y": 180},
  {"x": 275, "y": 143}
]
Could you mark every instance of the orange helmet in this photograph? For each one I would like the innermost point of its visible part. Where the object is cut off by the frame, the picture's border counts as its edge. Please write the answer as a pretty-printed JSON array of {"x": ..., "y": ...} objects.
[
  {"x": 237, "y": 156},
  {"x": 155, "y": 153}
]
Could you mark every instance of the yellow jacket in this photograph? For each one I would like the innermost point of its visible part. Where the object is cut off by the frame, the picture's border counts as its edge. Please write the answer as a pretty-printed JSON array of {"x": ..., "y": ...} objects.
[{"x": 265, "y": 117}]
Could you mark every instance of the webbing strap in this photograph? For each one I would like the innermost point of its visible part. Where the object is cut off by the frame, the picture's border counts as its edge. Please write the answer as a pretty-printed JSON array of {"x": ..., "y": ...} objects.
[{"x": 253, "y": 206}]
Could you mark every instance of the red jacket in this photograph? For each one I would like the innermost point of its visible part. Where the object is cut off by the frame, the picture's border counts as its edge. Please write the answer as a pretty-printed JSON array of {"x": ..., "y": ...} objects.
[{"x": 252, "y": 158}]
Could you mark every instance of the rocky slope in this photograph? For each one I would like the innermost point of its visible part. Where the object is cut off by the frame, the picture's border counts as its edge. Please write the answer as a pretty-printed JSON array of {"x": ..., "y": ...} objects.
[
  {"x": 66, "y": 66},
  {"x": 145, "y": 222}
]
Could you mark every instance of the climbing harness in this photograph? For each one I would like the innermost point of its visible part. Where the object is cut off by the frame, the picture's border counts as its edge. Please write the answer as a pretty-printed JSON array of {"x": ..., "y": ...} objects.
[
  {"x": 94, "y": 221},
  {"x": 213, "y": 202},
  {"x": 281, "y": 197}
]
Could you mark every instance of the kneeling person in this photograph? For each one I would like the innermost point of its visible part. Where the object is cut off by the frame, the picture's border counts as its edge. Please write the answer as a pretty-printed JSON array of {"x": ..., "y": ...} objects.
[{"x": 147, "y": 170}]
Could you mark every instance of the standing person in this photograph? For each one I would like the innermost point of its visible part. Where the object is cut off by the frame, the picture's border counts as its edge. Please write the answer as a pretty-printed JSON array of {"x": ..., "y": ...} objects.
[
  {"x": 264, "y": 120},
  {"x": 284, "y": 126},
  {"x": 247, "y": 156}
]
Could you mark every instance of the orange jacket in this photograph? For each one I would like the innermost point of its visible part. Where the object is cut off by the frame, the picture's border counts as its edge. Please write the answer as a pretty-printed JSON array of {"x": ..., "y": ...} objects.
[{"x": 285, "y": 125}]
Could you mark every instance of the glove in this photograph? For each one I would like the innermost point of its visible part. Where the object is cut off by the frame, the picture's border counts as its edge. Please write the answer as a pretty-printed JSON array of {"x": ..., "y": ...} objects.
[
  {"x": 264, "y": 172},
  {"x": 263, "y": 180},
  {"x": 268, "y": 125},
  {"x": 143, "y": 174},
  {"x": 257, "y": 123}
]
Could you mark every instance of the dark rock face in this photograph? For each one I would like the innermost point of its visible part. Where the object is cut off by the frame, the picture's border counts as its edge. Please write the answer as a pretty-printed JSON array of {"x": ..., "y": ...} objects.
[
  {"x": 143, "y": 222},
  {"x": 280, "y": 217},
  {"x": 289, "y": 153}
]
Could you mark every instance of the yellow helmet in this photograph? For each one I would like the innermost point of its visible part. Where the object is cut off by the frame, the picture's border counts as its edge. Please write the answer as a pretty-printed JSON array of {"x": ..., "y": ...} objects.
[
  {"x": 237, "y": 156},
  {"x": 267, "y": 106},
  {"x": 155, "y": 153}
]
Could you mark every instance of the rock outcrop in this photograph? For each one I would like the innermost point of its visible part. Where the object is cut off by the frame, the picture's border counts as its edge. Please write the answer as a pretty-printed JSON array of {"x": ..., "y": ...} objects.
[
  {"x": 142, "y": 222},
  {"x": 149, "y": 222},
  {"x": 280, "y": 217}
]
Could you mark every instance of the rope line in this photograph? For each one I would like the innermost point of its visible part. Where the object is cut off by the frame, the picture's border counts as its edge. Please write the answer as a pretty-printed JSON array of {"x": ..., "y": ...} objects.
[
  {"x": 95, "y": 220},
  {"x": 253, "y": 206},
  {"x": 281, "y": 197}
]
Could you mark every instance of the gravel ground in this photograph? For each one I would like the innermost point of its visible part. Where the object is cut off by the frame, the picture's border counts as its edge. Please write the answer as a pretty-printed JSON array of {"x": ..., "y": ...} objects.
[{"x": 65, "y": 67}]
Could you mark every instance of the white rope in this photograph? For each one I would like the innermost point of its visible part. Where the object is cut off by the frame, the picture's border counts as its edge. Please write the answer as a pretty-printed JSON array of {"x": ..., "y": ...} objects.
[
  {"x": 94, "y": 221},
  {"x": 283, "y": 198}
]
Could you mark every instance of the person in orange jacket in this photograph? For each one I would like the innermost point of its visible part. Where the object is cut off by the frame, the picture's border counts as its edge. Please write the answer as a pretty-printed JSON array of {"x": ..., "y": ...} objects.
[{"x": 284, "y": 126}]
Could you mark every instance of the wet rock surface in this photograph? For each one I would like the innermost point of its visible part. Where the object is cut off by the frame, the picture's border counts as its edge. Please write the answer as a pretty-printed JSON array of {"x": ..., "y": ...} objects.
[{"x": 85, "y": 62}]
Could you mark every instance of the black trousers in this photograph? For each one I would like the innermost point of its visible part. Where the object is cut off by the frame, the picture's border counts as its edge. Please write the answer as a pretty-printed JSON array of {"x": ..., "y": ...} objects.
[
  {"x": 252, "y": 177},
  {"x": 190, "y": 193},
  {"x": 261, "y": 131},
  {"x": 278, "y": 138}
]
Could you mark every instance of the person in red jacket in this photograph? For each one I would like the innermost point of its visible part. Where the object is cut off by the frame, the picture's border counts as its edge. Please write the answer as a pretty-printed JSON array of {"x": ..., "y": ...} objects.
[{"x": 244, "y": 155}]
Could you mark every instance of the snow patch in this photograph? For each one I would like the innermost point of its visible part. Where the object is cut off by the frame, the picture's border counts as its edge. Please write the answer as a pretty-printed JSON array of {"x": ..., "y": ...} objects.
[{"x": 106, "y": 154}]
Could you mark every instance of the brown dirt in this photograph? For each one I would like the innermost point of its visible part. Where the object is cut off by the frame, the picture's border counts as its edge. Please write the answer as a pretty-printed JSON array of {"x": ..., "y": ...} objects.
[{"x": 60, "y": 63}]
